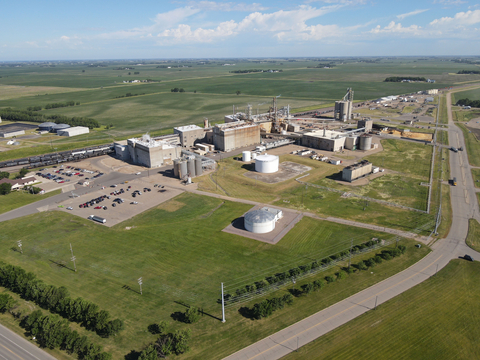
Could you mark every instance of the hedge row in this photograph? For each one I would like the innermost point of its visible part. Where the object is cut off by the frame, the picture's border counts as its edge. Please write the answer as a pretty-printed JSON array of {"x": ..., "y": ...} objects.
[
  {"x": 57, "y": 300},
  {"x": 281, "y": 278},
  {"x": 53, "y": 332},
  {"x": 266, "y": 307},
  {"x": 32, "y": 116},
  {"x": 468, "y": 102}
]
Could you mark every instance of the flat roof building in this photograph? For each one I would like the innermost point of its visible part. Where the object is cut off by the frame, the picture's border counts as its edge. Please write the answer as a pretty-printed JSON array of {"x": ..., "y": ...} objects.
[
  {"x": 235, "y": 135},
  {"x": 355, "y": 171},
  {"x": 189, "y": 134},
  {"x": 151, "y": 153},
  {"x": 9, "y": 134},
  {"x": 324, "y": 140},
  {"x": 73, "y": 131}
]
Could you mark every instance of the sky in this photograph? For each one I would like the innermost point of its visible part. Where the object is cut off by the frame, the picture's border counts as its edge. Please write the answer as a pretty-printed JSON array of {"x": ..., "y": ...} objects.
[{"x": 157, "y": 29}]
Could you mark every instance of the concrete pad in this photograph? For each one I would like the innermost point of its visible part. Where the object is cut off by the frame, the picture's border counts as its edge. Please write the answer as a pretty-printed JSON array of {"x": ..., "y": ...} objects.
[{"x": 286, "y": 170}]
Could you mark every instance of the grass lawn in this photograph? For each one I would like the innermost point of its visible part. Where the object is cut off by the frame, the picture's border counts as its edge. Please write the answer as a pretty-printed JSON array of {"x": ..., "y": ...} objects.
[
  {"x": 18, "y": 199},
  {"x": 181, "y": 253},
  {"x": 448, "y": 328},
  {"x": 473, "y": 237},
  {"x": 476, "y": 177},
  {"x": 473, "y": 146},
  {"x": 405, "y": 157},
  {"x": 465, "y": 115}
]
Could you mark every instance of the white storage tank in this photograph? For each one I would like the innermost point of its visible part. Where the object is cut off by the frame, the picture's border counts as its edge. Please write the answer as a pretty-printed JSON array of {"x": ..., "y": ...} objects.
[
  {"x": 246, "y": 156},
  {"x": 259, "y": 221},
  {"x": 254, "y": 155},
  {"x": 266, "y": 163},
  {"x": 365, "y": 142}
]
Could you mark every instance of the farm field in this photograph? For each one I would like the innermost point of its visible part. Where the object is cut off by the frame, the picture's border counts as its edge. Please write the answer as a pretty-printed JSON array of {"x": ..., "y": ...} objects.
[
  {"x": 448, "y": 328},
  {"x": 472, "y": 94},
  {"x": 164, "y": 246},
  {"x": 472, "y": 145},
  {"x": 18, "y": 199},
  {"x": 182, "y": 254}
]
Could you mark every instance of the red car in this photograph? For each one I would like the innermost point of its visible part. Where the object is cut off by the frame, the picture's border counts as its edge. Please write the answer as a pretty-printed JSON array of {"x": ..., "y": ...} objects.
[{"x": 98, "y": 207}]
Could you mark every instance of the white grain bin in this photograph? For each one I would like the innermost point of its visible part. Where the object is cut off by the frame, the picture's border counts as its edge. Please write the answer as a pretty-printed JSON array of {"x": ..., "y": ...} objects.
[
  {"x": 246, "y": 156},
  {"x": 259, "y": 221},
  {"x": 266, "y": 163},
  {"x": 254, "y": 155}
]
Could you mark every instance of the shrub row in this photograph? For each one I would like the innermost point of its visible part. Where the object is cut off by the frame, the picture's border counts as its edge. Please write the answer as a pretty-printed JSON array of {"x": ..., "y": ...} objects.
[
  {"x": 468, "y": 102},
  {"x": 58, "y": 301},
  {"x": 59, "y": 105},
  {"x": 266, "y": 307},
  {"x": 401, "y": 78},
  {"x": 53, "y": 332},
  {"x": 32, "y": 116},
  {"x": 281, "y": 278},
  {"x": 128, "y": 95},
  {"x": 469, "y": 72}
]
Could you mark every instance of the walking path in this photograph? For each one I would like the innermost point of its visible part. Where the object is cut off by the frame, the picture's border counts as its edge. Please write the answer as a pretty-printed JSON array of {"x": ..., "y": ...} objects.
[{"x": 464, "y": 206}]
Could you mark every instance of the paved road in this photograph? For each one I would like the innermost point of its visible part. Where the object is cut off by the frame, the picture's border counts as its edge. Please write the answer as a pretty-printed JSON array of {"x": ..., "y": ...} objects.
[
  {"x": 14, "y": 347},
  {"x": 464, "y": 206}
]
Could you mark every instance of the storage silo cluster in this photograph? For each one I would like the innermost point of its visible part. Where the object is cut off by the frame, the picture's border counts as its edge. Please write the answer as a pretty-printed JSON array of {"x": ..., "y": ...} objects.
[{"x": 189, "y": 167}]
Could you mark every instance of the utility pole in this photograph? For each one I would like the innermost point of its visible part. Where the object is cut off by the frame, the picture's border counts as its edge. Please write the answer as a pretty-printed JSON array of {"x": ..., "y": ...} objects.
[
  {"x": 73, "y": 258},
  {"x": 19, "y": 243},
  {"x": 140, "y": 282},
  {"x": 223, "y": 306}
]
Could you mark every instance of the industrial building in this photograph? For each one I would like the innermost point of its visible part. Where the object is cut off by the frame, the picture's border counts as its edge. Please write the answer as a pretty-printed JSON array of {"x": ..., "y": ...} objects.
[
  {"x": 73, "y": 131},
  {"x": 262, "y": 221},
  {"x": 324, "y": 140},
  {"x": 266, "y": 164},
  {"x": 150, "y": 152},
  {"x": 189, "y": 134},
  {"x": 235, "y": 135},
  {"x": 9, "y": 134},
  {"x": 355, "y": 171},
  {"x": 59, "y": 127},
  {"x": 343, "y": 108},
  {"x": 191, "y": 165},
  {"x": 46, "y": 126},
  {"x": 367, "y": 124},
  {"x": 365, "y": 142}
]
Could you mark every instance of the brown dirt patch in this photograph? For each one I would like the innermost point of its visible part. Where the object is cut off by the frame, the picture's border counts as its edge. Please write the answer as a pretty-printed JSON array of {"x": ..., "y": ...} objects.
[{"x": 171, "y": 206}]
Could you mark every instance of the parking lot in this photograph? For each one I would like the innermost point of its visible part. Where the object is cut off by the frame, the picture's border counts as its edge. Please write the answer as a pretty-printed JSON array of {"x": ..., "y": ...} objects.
[{"x": 121, "y": 202}]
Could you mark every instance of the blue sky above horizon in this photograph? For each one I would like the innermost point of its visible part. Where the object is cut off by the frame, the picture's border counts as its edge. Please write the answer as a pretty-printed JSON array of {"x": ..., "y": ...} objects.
[{"x": 59, "y": 30}]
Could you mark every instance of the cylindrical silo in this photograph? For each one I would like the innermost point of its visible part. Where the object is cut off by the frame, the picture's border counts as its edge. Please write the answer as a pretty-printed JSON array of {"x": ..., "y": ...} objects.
[
  {"x": 259, "y": 221},
  {"x": 365, "y": 142},
  {"x": 198, "y": 167},
  {"x": 246, "y": 156},
  {"x": 183, "y": 169},
  {"x": 191, "y": 167},
  {"x": 254, "y": 155},
  {"x": 176, "y": 168}
]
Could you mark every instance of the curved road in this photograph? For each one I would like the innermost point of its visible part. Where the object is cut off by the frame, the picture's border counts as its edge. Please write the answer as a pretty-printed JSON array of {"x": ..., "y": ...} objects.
[{"x": 464, "y": 206}]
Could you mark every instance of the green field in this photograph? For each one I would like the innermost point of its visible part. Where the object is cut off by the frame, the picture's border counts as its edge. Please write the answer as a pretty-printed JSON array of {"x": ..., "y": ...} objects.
[
  {"x": 465, "y": 115},
  {"x": 473, "y": 146},
  {"x": 425, "y": 322},
  {"x": 473, "y": 94},
  {"x": 181, "y": 253},
  {"x": 473, "y": 237},
  {"x": 18, "y": 199}
]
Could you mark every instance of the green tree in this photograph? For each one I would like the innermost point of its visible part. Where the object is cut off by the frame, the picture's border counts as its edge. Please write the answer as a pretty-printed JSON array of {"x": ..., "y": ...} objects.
[
  {"x": 150, "y": 353},
  {"x": 238, "y": 92},
  {"x": 5, "y": 188},
  {"x": 4, "y": 175},
  {"x": 6, "y": 302},
  {"x": 192, "y": 315},
  {"x": 181, "y": 90}
]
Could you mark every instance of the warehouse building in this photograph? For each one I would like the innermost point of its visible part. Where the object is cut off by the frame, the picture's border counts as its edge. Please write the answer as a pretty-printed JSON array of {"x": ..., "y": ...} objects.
[
  {"x": 235, "y": 135},
  {"x": 9, "y": 134},
  {"x": 189, "y": 134},
  {"x": 73, "y": 131},
  {"x": 356, "y": 171},
  {"x": 324, "y": 140},
  {"x": 151, "y": 152}
]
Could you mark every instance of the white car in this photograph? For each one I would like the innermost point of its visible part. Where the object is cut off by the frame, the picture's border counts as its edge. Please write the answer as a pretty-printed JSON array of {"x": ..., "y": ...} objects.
[
  {"x": 69, "y": 208},
  {"x": 138, "y": 173}
]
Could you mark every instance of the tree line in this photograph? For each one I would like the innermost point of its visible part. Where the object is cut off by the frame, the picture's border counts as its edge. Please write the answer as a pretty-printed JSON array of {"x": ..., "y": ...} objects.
[
  {"x": 469, "y": 72},
  {"x": 401, "y": 78},
  {"x": 51, "y": 331},
  {"x": 468, "y": 102},
  {"x": 167, "y": 343},
  {"x": 281, "y": 278},
  {"x": 266, "y": 307},
  {"x": 57, "y": 300},
  {"x": 31, "y": 116},
  {"x": 253, "y": 71},
  {"x": 53, "y": 106}
]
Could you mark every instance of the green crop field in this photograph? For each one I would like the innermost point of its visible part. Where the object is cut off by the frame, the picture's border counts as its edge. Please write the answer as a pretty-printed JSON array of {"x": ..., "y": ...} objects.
[
  {"x": 18, "y": 199},
  {"x": 473, "y": 94},
  {"x": 448, "y": 326},
  {"x": 182, "y": 254}
]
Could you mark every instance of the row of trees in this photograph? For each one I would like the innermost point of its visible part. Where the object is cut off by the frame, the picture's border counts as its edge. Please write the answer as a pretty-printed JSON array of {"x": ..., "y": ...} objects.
[
  {"x": 469, "y": 72},
  {"x": 167, "y": 343},
  {"x": 266, "y": 307},
  {"x": 53, "y": 332},
  {"x": 25, "y": 115},
  {"x": 283, "y": 277},
  {"x": 177, "y": 90},
  {"x": 401, "y": 78},
  {"x": 468, "y": 102},
  {"x": 59, "y": 105},
  {"x": 57, "y": 300},
  {"x": 128, "y": 95}
]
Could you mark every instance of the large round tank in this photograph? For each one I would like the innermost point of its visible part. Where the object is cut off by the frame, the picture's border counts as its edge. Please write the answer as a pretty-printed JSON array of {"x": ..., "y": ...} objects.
[
  {"x": 46, "y": 126},
  {"x": 246, "y": 156},
  {"x": 266, "y": 163},
  {"x": 60, "y": 127},
  {"x": 176, "y": 168},
  {"x": 191, "y": 167},
  {"x": 183, "y": 169},
  {"x": 198, "y": 167},
  {"x": 259, "y": 221},
  {"x": 365, "y": 142}
]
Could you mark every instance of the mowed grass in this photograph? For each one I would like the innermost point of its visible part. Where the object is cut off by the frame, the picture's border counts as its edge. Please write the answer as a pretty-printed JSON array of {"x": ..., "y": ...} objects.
[
  {"x": 405, "y": 157},
  {"x": 18, "y": 199},
  {"x": 473, "y": 237},
  {"x": 465, "y": 115},
  {"x": 476, "y": 177},
  {"x": 179, "y": 250},
  {"x": 473, "y": 146},
  {"x": 425, "y": 322}
]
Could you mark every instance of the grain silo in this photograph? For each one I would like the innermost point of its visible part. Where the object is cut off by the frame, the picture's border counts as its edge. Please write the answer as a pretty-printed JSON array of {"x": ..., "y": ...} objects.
[
  {"x": 266, "y": 163},
  {"x": 198, "y": 167},
  {"x": 183, "y": 169},
  {"x": 191, "y": 167},
  {"x": 365, "y": 142},
  {"x": 176, "y": 168}
]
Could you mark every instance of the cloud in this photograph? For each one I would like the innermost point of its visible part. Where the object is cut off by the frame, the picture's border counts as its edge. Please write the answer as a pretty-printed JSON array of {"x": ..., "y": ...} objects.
[
  {"x": 341, "y": 2},
  {"x": 416, "y": 12},
  {"x": 396, "y": 28},
  {"x": 230, "y": 6},
  {"x": 449, "y": 2},
  {"x": 460, "y": 19}
]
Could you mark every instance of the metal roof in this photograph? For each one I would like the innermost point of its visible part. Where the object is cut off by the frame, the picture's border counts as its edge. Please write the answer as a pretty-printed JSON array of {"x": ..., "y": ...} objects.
[
  {"x": 60, "y": 126},
  {"x": 47, "y": 124},
  {"x": 259, "y": 216}
]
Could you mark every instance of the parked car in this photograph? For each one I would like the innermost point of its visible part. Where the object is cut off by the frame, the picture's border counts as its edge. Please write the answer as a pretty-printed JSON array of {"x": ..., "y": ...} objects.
[{"x": 468, "y": 257}]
